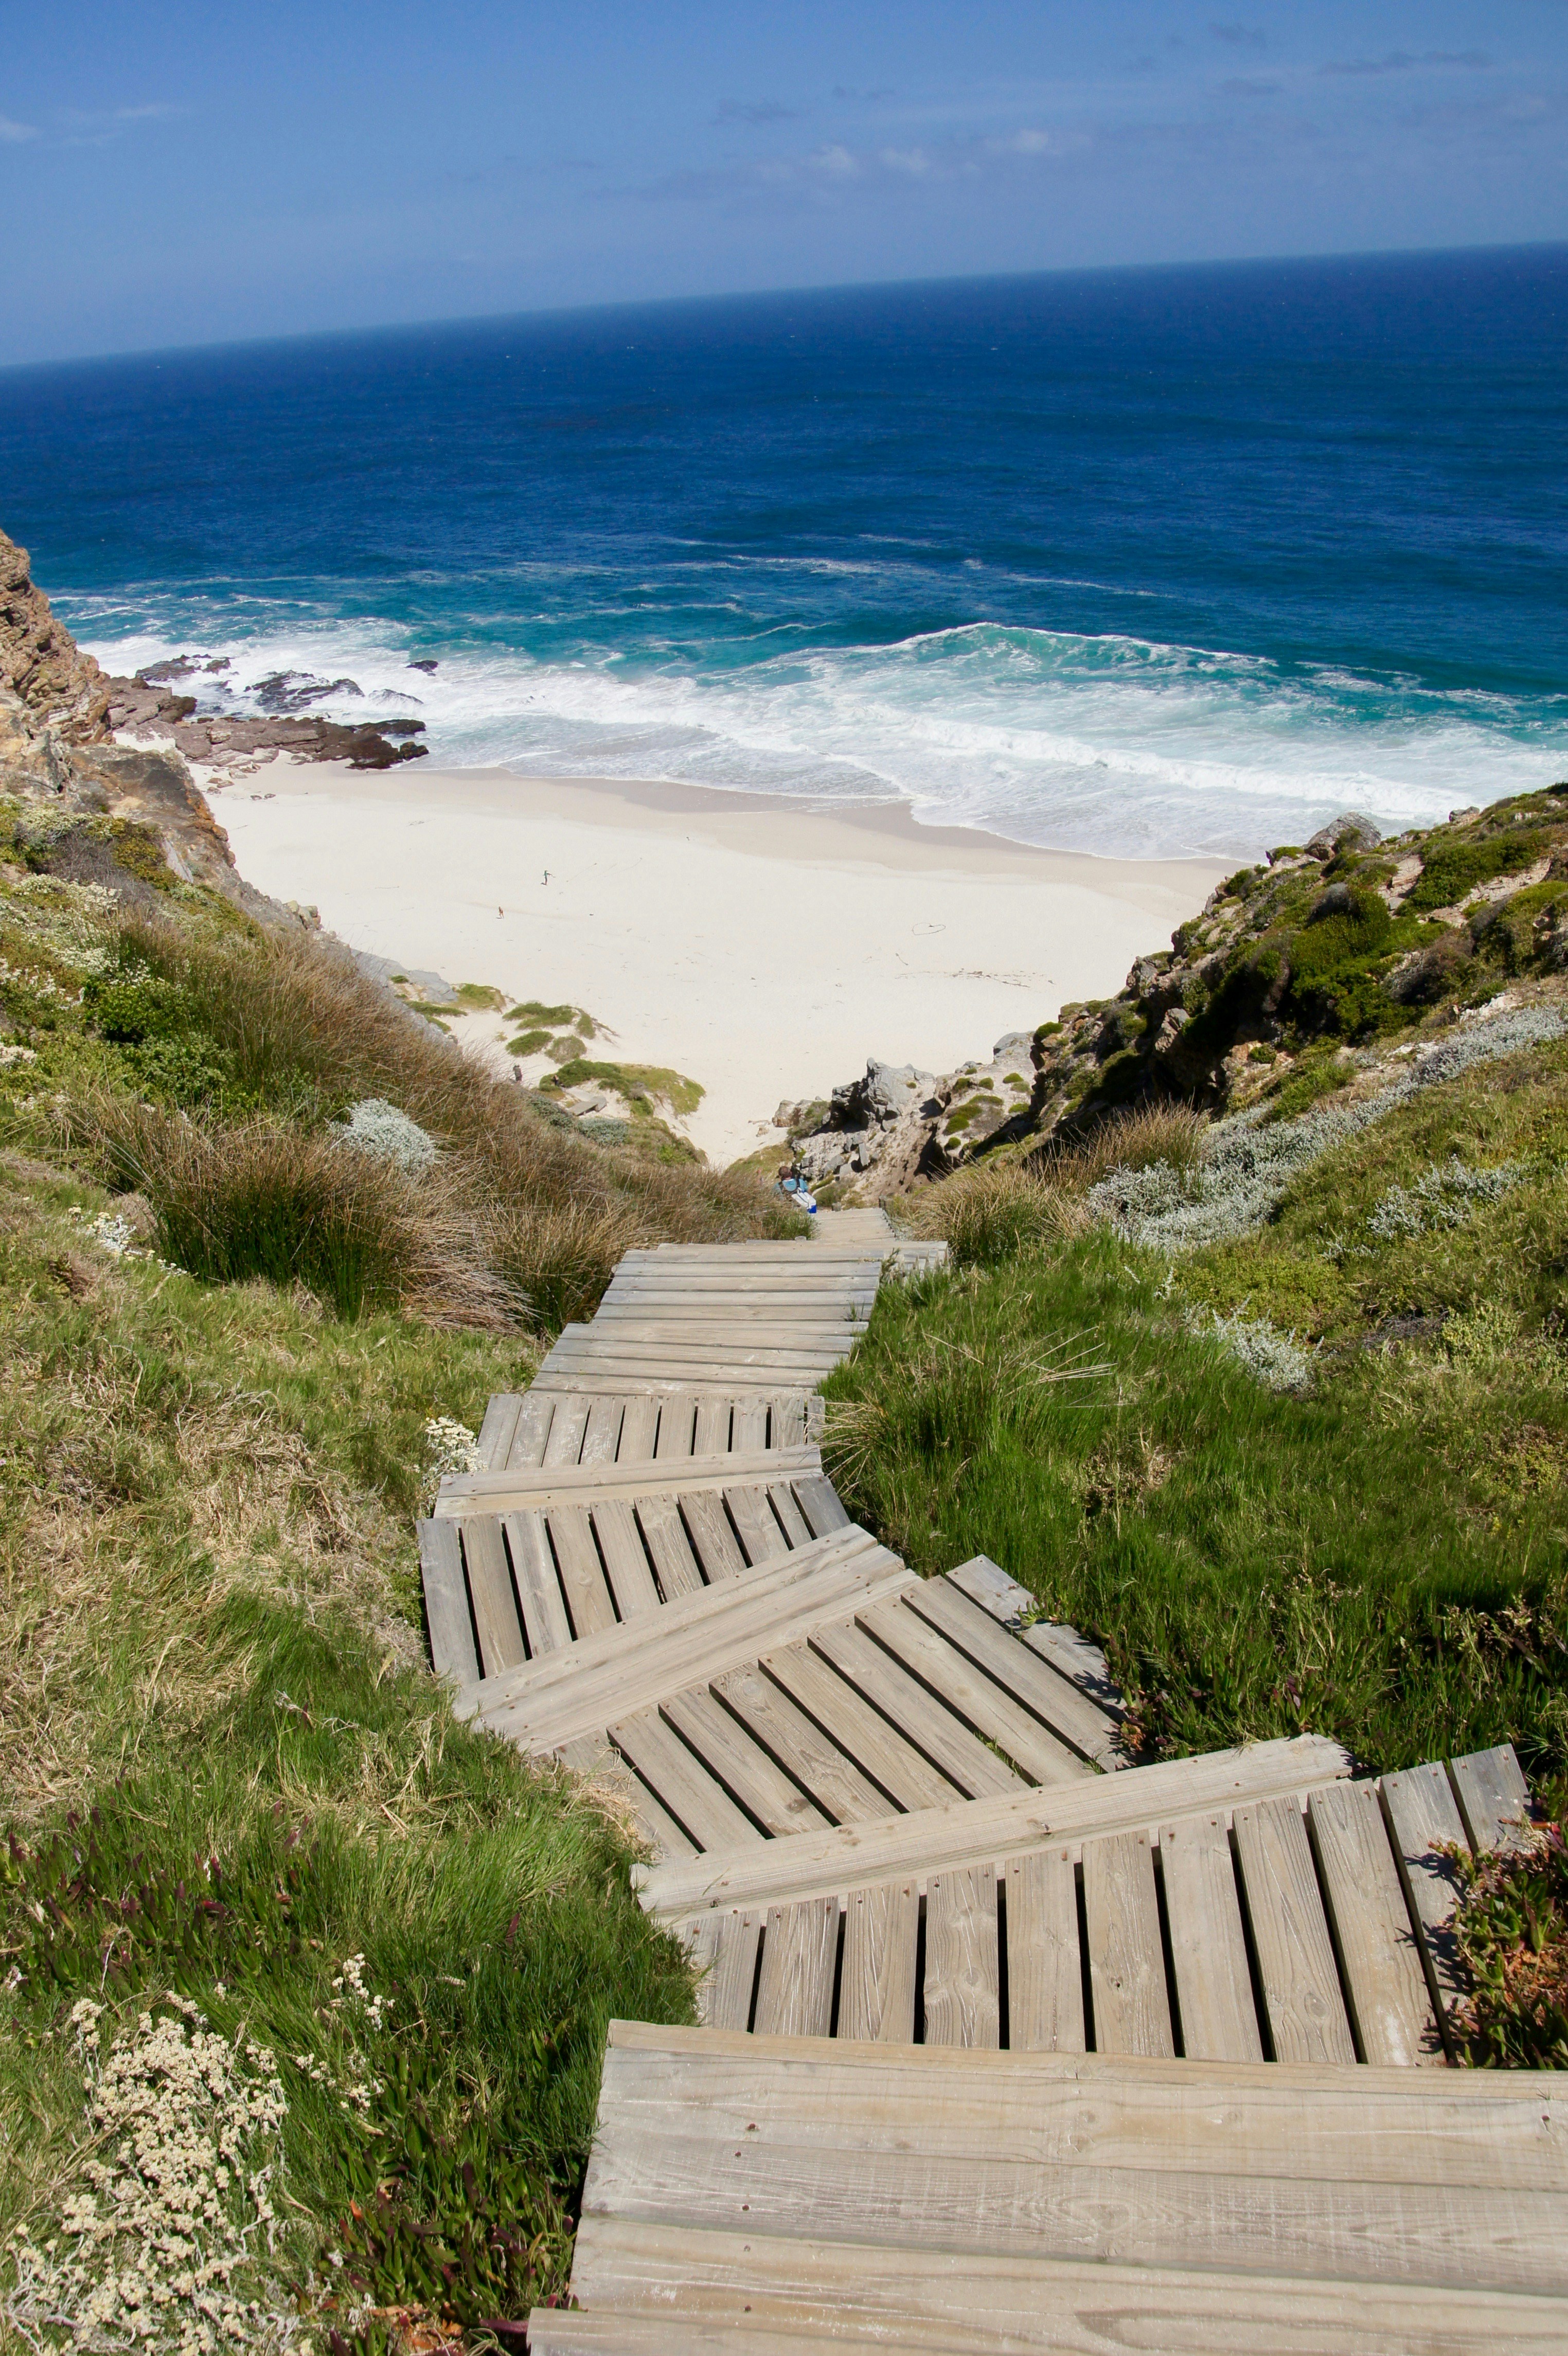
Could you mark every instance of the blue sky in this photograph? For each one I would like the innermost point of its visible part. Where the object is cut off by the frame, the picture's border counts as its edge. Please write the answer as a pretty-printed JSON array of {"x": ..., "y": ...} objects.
[{"x": 175, "y": 174}]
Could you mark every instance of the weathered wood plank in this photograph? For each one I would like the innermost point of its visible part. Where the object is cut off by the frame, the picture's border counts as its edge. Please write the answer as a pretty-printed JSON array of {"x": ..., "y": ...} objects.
[
  {"x": 591, "y": 1756},
  {"x": 1428, "y": 1836},
  {"x": 981, "y": 1832},
  {"x": 1126, "y": 1956},
  {"x": 1045, "y": 1964},
  {"x": 567, "y": 1425},
  {"x": 1031, "y": 1681},
  {"x": 703, "y": 1809},
  {"x": 877, "y": 1991},
  {"x": 620, "y": 1543},
  {"x": 795, "y": 1986},
  {"x": 740, "y": 1764},
  {"x": 1208, "y": 1945},
  {"x": 1301, "y": 1998},
  {"x": 749, "y": 1431},
  {"x": 725, "y": 1996},
  {"x": 752, "y": 1514},
  {"x": 670, "y": 1546},
  {"x": 818, "y": 1500},
  {"x": 489, "y": 1588},
  {"x": 677, "y": 1422},
  {"x": 694, "y": 1639},
  {"x": 1385, "y": 1986},
  {"x": 781, "y": 1496},
  {"x": 498, "y": 1428},
  {"x": 986, "y": 1707},
  {"x": 601, "y": 1435},
  {"x": 493, "y": 1493},
  {"x": 539, "y": 1590},
  {"x": 945, "y": 1739},
  {"x": 786, "y": 1421},
  {"x": 713, "y": 1540},
  {"x": 452, "y": 1651},
  {"x": 860, "y": 1734},
  {"x": 771, "y": 1719},
  {"x": 1013, "y": 2305},
  {"x": 531, "y": 1436},
  {"x": 1493, "y": 1795},
  {"x": 639, "y": 1423},
  {"x": 963, "y": 1988},
  {"x": 582, "y": 1573},
  {"x": 1499, "y": 2129},
  {"x": 712, "y": 1427}
]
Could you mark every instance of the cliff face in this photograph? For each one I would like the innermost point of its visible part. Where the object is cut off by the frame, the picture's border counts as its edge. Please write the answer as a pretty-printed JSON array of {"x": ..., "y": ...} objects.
[
  {"x": 40, "y": 663},
  {"x": 90, "y": 810}
]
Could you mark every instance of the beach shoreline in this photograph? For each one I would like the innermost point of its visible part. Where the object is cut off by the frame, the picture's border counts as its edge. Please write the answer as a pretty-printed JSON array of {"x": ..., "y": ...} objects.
[{"x": 764, "y": 946}]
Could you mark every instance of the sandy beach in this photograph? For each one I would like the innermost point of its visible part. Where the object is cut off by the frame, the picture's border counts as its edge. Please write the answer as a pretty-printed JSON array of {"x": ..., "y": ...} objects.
[{"x": 763, "y": 947}]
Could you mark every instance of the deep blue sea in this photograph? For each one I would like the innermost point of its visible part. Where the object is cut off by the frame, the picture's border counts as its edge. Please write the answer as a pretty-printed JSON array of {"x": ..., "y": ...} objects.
[{"x": 1139, "y": 562}]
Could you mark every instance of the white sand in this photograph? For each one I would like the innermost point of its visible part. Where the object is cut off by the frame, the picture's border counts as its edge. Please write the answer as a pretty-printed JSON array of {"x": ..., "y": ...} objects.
[{"x": 763, "y": 947}]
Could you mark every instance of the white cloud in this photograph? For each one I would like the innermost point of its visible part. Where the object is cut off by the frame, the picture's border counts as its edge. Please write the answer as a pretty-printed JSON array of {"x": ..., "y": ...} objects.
[{"x": 13, "y": 134}]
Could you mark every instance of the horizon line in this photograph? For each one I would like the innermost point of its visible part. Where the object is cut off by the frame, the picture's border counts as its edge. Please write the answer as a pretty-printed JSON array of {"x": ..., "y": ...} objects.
[{"x": 564, "y": 311}]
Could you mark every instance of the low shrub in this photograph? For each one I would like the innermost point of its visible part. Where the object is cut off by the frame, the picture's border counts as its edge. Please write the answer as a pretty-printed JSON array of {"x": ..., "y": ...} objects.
[
  {"x": 1454, "y": 866},
  {"x": 378, "y": 1128}
]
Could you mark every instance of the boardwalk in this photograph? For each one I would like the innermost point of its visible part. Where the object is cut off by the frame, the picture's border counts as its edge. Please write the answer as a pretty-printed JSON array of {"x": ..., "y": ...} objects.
[{"x": 1009, "y": 2043}]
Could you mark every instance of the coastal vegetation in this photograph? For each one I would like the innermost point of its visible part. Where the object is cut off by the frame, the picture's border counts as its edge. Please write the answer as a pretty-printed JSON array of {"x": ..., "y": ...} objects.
[
  {"x": 302, "y": 1985},
  {"x": 1318, "y": 1474},
  {"x": 1251, "y": 1364}
]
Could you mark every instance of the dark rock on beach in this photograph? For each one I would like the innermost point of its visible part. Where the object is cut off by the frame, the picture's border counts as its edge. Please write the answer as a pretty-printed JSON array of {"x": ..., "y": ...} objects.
[{"x": 144, "y": 706}]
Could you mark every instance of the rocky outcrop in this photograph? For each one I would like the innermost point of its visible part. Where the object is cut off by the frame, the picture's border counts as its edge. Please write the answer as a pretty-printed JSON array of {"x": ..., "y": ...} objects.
[
  {"x": 1288, "y": 965},
  {"x": 144, "y": 706},
  {"x": 129, "y": 819},
  {"x": 42, "y": 665}
]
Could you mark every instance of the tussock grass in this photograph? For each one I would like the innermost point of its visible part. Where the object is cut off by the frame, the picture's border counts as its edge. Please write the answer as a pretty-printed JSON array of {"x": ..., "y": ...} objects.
[
  {"x": 217, "y": 1097},
  {"x": 991, "y": 1210},
  {"x": 260, "y": 1198},
  {"x": 1137, "y": 1138}
]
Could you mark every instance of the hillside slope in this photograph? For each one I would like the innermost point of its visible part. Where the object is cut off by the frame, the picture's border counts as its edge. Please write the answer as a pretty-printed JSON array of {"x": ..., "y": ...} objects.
[{"x": 1350, "y": 943}]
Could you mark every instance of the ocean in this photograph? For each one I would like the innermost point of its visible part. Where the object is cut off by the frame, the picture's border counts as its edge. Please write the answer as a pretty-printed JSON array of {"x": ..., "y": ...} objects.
[{"x": 1149, "y": 563}]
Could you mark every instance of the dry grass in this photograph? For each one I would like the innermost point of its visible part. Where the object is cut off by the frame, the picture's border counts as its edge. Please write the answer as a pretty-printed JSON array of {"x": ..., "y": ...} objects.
[
  {"x": 291, "y": 1009},
  {"x": 994, "y": 1209},
  {"x": 1135, "y": 1139}
]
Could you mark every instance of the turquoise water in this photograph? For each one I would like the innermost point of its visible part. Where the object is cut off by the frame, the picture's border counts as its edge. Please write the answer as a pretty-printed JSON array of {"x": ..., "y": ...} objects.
[{"x": 1146, "y": 562}]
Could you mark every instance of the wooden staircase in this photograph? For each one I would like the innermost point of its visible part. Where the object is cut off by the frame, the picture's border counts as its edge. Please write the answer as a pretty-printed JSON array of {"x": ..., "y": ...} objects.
[{"x": 1009, "y": 2043}]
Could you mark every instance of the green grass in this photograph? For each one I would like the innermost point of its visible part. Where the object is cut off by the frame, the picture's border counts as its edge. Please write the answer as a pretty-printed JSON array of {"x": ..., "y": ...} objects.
[
  {"x": 210, "y": 1649},
  {"x": 1382, "y": 1559},
  {"x": 639, "y": 1084}
]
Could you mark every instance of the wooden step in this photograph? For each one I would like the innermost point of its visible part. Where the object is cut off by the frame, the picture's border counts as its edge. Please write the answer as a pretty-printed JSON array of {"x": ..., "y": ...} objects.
[
  {"x": 1007, "y": 2202},
  {"x": 610, "y": 1422},
  {"x": 987, "y": 1832},
  {"x": 585, "y": 1687},
  {"x": 591, "y": 1546},
  {"x": 1348, "y": 1961},
  {"x": 494, "y": 1493}
]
